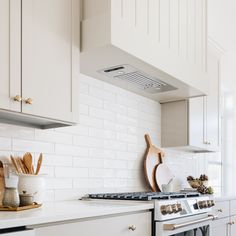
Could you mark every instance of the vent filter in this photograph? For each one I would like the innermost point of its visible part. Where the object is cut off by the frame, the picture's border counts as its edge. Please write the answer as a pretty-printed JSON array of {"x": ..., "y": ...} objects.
[{"x": 138, "y": 79}]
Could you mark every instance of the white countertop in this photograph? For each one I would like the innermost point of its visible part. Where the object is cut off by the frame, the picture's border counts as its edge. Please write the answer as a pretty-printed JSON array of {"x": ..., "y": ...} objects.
[{"x": 69, "y": 210}]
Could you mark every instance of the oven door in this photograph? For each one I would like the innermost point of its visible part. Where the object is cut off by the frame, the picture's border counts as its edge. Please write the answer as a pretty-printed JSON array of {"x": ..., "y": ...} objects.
[{"x": 188, "y": 226}]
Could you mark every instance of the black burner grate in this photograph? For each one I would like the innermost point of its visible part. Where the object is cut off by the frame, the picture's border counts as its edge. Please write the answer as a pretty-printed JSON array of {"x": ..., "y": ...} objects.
[{"x": 142, "y": 196}]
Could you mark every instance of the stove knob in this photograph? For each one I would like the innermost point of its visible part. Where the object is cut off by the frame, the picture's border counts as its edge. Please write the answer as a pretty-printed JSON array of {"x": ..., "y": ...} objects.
[
  {"x": 201, "y": 204},
  {"x": 174, "y": 208},
  {"x": 209, "y": 204},
  {"x": 204, "y": 204},
  {"x": 179, "y": 207},
  {"x": 163, "y": 210},
  {"x": 212, "y": 203},
  {"x": 169, "y": 209}
]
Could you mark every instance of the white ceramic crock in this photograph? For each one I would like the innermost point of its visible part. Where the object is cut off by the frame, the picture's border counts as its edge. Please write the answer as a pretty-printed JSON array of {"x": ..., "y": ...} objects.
[{"x": 34, "y": 185}]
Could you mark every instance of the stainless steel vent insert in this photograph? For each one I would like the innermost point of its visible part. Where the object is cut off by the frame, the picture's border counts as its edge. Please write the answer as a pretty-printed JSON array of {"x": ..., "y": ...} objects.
[{"x": 137, "y": 78}]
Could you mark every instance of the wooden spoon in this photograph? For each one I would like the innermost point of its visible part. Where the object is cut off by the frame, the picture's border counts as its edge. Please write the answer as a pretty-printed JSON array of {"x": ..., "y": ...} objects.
[
  {"x": 39, "y": 163},
  {"x": 14, "y": 162},
  {"x": 28, "y": 161}
]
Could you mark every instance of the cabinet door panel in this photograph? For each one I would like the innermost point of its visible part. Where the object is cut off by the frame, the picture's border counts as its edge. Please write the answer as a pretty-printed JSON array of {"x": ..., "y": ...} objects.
[
  {"x": 220, "y": 227},
  {"x": 233, "y": 225},
  {"x": 213, "y": 117},
  {"x": 196, "y": 122},
  {"x": 10, "y": 56},
  {"x": 49, "y": 57}
]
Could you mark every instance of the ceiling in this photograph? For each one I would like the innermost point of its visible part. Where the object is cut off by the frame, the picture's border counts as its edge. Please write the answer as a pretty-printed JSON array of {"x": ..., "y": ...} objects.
[{"x": 222, "y": 23}]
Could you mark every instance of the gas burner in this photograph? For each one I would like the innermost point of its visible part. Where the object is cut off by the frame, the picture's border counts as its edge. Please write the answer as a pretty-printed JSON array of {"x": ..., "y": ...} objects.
[{"x": 144, "y": 196}]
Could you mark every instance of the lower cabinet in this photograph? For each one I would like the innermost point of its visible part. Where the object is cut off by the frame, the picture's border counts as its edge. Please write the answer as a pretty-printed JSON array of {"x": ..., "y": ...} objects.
[
  {"x": 137, "y": 224},
  {"x": 220, "y": 227},
  {"x": 226, "y": 224},
  {"x": 232, "y": 224}
]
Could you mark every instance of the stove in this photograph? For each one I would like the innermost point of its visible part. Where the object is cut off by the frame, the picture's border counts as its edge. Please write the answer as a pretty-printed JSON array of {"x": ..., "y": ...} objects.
[{"x": 175, "y": 213}]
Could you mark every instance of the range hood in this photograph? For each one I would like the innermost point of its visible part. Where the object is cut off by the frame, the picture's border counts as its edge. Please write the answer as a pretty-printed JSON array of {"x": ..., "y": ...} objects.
[{"x": 101, "y": 58}]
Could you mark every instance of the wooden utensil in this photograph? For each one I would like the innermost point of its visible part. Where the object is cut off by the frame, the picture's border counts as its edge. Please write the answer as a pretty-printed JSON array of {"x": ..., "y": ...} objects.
[
  {"x": 22, "y": 165},
  {"x": 151, "y": 161},
  {"x": 39, "y": 163},
  {"x": 28, "y": 161},
  {"x": 163, "y": 174},
  {"x": 15, "y": 164}
]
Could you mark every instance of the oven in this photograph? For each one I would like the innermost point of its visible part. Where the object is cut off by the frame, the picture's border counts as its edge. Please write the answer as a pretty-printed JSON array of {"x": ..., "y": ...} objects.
[{"x": 199, "y": 225}]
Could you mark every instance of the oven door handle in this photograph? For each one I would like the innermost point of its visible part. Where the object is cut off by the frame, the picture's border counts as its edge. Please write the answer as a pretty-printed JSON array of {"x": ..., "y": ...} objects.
[{"x": 177, "y": 226}]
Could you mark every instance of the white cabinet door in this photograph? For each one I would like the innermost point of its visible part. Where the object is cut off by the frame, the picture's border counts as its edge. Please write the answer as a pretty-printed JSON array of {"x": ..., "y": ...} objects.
[
  {"x": 197, "y": 122},
  {"x": 232, "y": 225},
  {"x": 213, "y": 101},
  {"x": 220, "y": 227},
  {"x": 10, "y": 54},
  {"x": 115, "y": 226},
  {"x": 50, "y": 58}
]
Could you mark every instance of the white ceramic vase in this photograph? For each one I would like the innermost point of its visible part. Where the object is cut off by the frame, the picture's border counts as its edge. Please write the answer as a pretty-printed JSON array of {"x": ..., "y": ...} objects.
[{"x": 34, "y": 185}]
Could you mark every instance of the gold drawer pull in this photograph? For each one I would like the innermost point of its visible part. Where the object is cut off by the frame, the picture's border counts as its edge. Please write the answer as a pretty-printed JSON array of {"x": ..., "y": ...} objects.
[
  {"x": 29, "y": 101},
  {"x": 231, "y": 223},
  {"x": 17, "y": 98},
  {"x": 132, "y": 227}
]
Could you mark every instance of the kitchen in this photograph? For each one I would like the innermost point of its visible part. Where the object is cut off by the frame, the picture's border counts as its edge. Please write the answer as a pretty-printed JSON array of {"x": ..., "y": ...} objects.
[{"x": 70, "y": 89}]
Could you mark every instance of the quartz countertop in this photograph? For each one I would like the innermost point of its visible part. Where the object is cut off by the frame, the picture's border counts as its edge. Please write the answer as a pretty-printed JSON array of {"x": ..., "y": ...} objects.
[{"x": 70, "y": 210}]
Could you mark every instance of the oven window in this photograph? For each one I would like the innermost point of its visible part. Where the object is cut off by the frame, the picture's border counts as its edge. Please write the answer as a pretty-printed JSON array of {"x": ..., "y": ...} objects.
[{"x": 202, "y": 231}]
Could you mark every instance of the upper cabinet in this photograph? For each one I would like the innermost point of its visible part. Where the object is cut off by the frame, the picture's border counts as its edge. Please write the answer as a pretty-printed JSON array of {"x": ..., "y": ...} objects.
[
  {"x": 162, "y": 40},
  {"x": 10, "y": 56},
  {"x": 195, "y": 123},
  {"x": 40, "y": 62}
]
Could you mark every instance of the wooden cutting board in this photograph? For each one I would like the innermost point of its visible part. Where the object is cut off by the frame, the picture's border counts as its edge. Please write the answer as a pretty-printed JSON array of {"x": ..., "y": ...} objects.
[
  {"x": 2, "y": 184},
  {"x": 151, "y": 161}
]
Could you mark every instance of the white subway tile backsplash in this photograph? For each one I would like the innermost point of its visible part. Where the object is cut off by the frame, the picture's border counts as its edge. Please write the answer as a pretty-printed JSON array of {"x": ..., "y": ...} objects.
[
  {"x": 32, "y": 146},
  {"x": 90, "y": 121},
  {"x": 104, "y": 152},
  {"x": 71, "y": 150},
  {"x": 5, "y": 143},
  {"x": 71, "y": 172},
  {"x": 52, "y": 137}
]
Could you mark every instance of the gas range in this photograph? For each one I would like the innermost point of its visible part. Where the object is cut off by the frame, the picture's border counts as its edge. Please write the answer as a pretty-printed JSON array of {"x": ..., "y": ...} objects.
[
  {"x": 184, "y": 213},
  {"x": 167, "y": 205}
]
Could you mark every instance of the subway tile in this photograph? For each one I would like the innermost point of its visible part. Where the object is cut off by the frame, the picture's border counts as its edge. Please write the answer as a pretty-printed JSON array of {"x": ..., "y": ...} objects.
[
  {"x": 88, "y": 141},
  {"x": 71, "y": 172},
  {"x": 71, "y": 150},
  {"x": 91, "y": 121},
  {"x": 32, "y": 146},
  {"x": 87, "y": 162},
  {"x": 5, "y": 143},
  {"x": 52, "y": 137},
  {"x": 91, "y": 101},
  {"x": 13, "y": 131},
  {"x": 59, "y": 183}
]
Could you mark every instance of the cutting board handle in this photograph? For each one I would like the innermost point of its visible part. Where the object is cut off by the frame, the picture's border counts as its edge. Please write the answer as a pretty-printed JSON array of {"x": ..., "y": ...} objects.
[{"x": 148, "y": 140}]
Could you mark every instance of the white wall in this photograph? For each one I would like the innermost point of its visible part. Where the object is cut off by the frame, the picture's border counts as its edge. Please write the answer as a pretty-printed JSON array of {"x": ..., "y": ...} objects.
[{"x": 105, "y": 151}]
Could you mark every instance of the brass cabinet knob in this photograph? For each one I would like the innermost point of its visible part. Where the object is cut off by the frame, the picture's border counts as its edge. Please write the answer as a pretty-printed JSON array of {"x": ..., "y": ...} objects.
[
  {"x": 231, "y": 223},
  {"x": 29, "y": 101},
  {"x": 132, "y": 227},
  {"x": 17, "y": 98}
]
